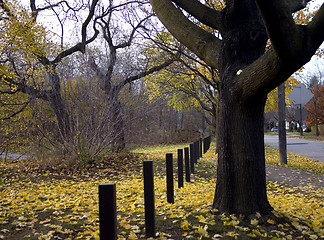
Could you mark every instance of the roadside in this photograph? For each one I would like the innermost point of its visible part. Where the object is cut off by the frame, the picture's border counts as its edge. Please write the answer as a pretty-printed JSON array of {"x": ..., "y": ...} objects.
[
  {"x": 13, "y": 156},
  {"x": 304, "y": 147}
]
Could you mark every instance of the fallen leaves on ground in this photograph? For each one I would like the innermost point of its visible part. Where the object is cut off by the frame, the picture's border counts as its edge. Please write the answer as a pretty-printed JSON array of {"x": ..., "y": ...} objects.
[
  {"x": 295, "y": 161},
  {"x": 41, "y": 205}
]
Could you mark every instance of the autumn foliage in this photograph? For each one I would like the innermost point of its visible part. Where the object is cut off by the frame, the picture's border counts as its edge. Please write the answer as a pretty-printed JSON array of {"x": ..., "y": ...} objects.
[
  {"x": 315, "y": 107},
  {"x": 55, "y": 204}
]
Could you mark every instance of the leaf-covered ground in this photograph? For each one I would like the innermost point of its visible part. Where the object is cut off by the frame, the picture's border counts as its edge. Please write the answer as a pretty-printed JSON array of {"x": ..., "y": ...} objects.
[{"x": 56, "y": 204}]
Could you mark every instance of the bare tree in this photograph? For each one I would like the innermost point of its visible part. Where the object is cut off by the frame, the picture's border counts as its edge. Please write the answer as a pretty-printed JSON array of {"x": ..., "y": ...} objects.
[
  {"x": 135, "y": 15},
  {"x": 45, "y": 62}
]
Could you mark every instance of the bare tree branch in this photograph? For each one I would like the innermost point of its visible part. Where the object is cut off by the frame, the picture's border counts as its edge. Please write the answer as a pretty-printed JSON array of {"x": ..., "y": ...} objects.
[
  {"x": 315, "y": 29},
  {"x": 159, "y": 67},
  {"x": 204, "y": 14}
]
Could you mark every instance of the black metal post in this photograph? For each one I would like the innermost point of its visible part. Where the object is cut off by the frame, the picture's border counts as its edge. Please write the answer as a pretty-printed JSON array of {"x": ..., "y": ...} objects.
[
  {"x": 205, "y": 145},
  {"x": 200, "y": 147},
  {"x": 192, "y": 160},
  {"x": 180, "y": 168},
  {"x": 107, "y": 211},
  {"x": 196, "y": 151},
  {"x": 187, "y": 166},
  {"x": 300, "y": 120},
  {"x": 149, "y": 198},
  {"x": 207, "y": 141},
  {"x": 169, "y": 170}
]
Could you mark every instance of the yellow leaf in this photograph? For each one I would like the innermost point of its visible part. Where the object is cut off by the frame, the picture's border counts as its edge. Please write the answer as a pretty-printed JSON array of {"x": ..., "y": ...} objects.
[
  {"x": 132, "y": 236},
  {"x": 232, "y": 234},
  {"x": 185, "y": 225},
  {"x": 254, "y": 222}
]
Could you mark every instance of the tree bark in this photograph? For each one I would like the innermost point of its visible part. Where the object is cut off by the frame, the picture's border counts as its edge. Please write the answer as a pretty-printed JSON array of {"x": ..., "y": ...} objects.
[
  {"x": 59, "y": 107},
  {"x": 241, "y": 179},
  {"x": 117, "y": 122},
  {"x": 247, "y": 74}
]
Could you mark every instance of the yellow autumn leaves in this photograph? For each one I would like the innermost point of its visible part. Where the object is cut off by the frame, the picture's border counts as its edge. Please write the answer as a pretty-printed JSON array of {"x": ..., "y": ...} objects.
[
  {"x": 52, "y": 206},
  {"x": 295, "y": 161}
]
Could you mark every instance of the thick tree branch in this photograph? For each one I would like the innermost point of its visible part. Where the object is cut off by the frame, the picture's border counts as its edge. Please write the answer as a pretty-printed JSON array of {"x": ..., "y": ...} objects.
[
  {"x": 86, "y": 23},
  {"x": 204, "y": 14},
  {"x": 271, "y": 69},
  {"x": 24, "y": 88},
  {"x": 315, "y": 29},
  {"x": 203, "y": 44},
  {"x": 284, "y": 34}
]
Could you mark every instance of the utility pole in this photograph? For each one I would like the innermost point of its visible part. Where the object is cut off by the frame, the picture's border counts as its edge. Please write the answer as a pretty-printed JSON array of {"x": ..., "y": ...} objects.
[{"x": 282, "y": 124}]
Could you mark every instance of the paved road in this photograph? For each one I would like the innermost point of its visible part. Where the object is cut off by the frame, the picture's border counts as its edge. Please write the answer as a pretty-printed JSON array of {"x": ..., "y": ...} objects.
[
  {"x": 303, "y": 147},
  {"x": 13, "y": 156}
]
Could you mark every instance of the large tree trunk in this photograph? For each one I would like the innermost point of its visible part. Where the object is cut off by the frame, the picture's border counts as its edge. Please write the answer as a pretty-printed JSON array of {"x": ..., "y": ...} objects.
[
  {"x": 59, "y": 107},
  {"x": 247, "y": 73},
  {"x": 118, "y": 124},
  {"x": 241, "y": 179}
]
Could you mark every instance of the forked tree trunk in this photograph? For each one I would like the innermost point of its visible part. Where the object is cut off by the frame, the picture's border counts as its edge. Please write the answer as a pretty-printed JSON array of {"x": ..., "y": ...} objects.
[{"x": 241, "y": 179}]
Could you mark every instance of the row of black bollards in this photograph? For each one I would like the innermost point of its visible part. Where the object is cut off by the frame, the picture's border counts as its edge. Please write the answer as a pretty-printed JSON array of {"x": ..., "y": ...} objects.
[
  {"x": 108, "y": 208},
  {"x": 191, "y": 158},
  {"x": 107, "y": 191}
]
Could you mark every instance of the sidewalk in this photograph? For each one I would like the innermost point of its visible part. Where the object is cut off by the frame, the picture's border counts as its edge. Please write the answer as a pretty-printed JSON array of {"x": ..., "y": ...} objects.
[{"x": 290, "y": 177}]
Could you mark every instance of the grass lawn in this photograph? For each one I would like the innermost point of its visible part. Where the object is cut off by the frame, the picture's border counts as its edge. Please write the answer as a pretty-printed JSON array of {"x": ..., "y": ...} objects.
[
  {"x": 58, "y": 204},
  {"x": 306, "y": 135}
]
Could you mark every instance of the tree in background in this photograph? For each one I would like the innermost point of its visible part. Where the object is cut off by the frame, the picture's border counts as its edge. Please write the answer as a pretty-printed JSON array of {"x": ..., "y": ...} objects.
[
  {"x": 187, "y": 84},
  {"x": 29, "y": 58},
  {"x": 248, "y": 72},
  {"x": 122, "y": 25},
  {"x": 83, "y": 92},
  {"x": 315, "y": 106},
  {"x": 272, "y": 100}
]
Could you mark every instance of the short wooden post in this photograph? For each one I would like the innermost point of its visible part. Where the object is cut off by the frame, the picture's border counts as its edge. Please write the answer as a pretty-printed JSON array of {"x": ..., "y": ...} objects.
[
  {"x": 187, "y": 166},
  {"x": 107, "y": 211},
  {"x": 180, "y": 168},
  {"x": 169, "y": 179},
  {"x": 149, "y": 198},
  {"x": 192, "y": 160}
]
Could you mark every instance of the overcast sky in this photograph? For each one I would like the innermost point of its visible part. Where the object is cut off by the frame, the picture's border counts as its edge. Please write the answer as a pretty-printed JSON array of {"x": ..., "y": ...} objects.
[{"x": 316, "y": 64}]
